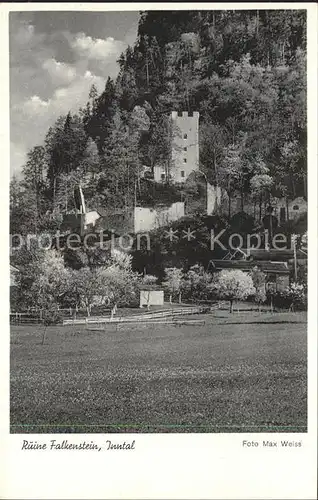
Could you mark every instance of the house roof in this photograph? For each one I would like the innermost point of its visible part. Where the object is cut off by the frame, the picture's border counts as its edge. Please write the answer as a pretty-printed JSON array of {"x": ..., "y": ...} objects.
[
  {"x": 245, "y": 265},
  {"x": 151, "y": 288},
  {"x": 273, "y": 255}
]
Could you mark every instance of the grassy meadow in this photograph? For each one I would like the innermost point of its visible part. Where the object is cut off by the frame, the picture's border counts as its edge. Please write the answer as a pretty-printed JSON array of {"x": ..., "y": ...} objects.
[{"x": 240, "y": 372}]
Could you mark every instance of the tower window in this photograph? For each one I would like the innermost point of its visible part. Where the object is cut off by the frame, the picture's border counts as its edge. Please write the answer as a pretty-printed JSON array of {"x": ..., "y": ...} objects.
[
  {"x": 182, "y": 173},
  {"x": 185, "y": 149},
  {"x": 184, "y": 160},
  {"x": 162, "y": 176},
  {"x": 185, "y": 136}
]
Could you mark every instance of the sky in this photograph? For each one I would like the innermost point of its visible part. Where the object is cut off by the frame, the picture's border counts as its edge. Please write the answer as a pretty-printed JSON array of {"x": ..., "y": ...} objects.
[{"x": 55, "y": 57}]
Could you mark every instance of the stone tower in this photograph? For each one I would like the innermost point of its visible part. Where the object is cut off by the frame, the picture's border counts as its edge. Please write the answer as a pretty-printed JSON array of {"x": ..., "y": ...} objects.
[{"x": 185, "y": 145}]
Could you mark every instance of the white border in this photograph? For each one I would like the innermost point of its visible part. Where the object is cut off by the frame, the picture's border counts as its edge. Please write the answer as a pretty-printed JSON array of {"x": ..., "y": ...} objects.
[{"x": 163, "y": 465}]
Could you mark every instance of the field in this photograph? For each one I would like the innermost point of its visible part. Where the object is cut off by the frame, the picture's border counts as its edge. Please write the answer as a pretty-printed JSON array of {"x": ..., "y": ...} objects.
[{"x": 240, "y": 372}]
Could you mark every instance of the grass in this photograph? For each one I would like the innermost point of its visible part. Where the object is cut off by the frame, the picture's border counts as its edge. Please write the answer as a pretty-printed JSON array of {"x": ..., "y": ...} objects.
[{"x": 238, "y": 373}]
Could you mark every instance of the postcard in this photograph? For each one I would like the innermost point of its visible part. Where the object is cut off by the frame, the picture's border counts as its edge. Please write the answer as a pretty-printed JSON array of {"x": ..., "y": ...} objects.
[{"x": 160, "y": 175}]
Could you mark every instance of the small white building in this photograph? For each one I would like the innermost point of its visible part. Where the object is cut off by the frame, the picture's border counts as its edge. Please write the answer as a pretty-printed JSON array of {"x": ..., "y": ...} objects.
[{"x": 151, "y": 295}]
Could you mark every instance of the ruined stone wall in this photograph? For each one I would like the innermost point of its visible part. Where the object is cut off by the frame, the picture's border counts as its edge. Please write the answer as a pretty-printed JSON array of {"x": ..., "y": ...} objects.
[{"x": 148, "y": 219}]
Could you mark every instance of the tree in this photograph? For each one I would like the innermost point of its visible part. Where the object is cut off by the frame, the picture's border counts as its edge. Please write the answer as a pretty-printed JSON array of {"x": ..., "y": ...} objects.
[
  {"x": 260, "y": 183},
  {"x": 156, "y": 144},
  {"x": 244, "y": 71},
  {"x": 22, "y": 220},
  {"x": 90, "y": 162},
  {"x": 120, "y": 164},
  {"x": 48, "y": 283},
  {"x": 198, "y": 284},
  {"x": 260, "y": 186},
  {"x": 84, "y": 288},
  {"x": 294, "y": 166},
  {"x": 50, "y": 314},
  {"x": 118, "y": 283},
  {"x": 126, "y": 87},
  {"x": 65, "y": 144},
  {"x": 112, "y": 284},
  {"x": 231, "y": 171},
  {"x": 52, "y": 282},
  {"x": 99, "y": 119},
  {"x": 173, "y": 282},
  {"x": 212, "y": 142},
  {"x": 34, "y": 174},
  {"x": 28, "y": 260},
  {"x": 149, "y": 279},
  {"x": 234, "y": 285},
  {"x": 93, "y": 94},
  {"x": 259, "y": 279}
]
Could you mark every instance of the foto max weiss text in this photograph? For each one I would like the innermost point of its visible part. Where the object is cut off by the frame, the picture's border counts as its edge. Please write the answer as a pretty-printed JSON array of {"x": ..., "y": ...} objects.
[{"x": 267, "y": 443}]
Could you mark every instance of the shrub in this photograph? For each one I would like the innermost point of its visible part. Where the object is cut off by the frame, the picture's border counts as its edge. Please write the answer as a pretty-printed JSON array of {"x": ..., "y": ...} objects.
[
  {"x": 51, "y": 316},
  {"x": 294, "y": 297},
  {"x": 198, "y": 285}
]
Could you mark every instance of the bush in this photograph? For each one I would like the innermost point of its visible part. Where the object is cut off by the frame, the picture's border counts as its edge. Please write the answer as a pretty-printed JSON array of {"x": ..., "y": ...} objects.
[
  {"x": 51, "y": 316},
  {"x": 294, "y": 297},
  {"x": 198, "y": 285},
  {"x": 296, "y": 293}
]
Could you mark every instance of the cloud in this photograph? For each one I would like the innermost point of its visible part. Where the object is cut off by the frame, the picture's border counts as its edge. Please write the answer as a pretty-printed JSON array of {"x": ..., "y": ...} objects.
[
  {"x": 34, "y": 106},
  {"x": 66, "y": 98},
  {"x": 97, "y": 48},
  {"x": 75, "y": 95},
  {"x": 33, "y": 117},
  {"x": 61, "y": 73},
  {"x": 51, "y": 74},
  {"x": 27, "y": 47},
  {"x": 24, "y": 34}
]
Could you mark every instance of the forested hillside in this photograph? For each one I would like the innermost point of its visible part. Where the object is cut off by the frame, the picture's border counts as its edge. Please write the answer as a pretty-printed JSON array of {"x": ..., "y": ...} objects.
[{"x": 244, "y": 71}]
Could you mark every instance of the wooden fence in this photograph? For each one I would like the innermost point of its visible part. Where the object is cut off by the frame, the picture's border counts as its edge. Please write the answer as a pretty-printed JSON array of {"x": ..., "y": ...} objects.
[
  {"x": 146, "y": 316},
  {"x": 35, "y": 316}
]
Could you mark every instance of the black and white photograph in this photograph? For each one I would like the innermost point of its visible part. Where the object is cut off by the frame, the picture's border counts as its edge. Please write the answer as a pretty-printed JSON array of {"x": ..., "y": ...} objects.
[{"x": 158, "y": 223}]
